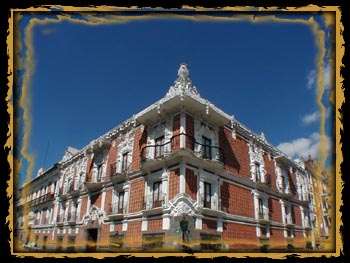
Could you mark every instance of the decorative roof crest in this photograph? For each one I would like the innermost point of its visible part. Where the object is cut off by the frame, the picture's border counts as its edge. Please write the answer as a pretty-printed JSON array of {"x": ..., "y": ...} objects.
[{"x": 183, "y": 83}]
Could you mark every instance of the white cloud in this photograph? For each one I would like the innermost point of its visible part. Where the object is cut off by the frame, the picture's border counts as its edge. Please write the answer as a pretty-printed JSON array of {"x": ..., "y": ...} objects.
[
  {"x": 313, "y": 117},
  {"x": 312, "y": 77},
  {"x": 303, "y": 147}
]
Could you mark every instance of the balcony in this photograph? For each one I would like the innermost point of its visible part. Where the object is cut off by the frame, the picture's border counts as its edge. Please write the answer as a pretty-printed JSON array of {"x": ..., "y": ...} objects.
[
  {"x": 96, "y": 183},
  {"x": 287, "y": 192},
  {"x": 116, "y": 212},
  {"x": 305, "y": 200},
  {"x": 63, "y": 193},
  {"x": 157, "y": 153},
  {"x": 42, "y": 199},
  {"x": 307, "y": 224},
  {"x": 262, "y": 215},
  {"x": 118, "y": 176},
  {"x": 71, "y": 219},
  {"x": 289, "y": 221},
  {"x": 75, "y": 188},
  {"x": 264, "y": 182},
  {"x": 153, "y": 203},
  {"x": 213, "y": 203},
  {"x": 60, "y": 220}
]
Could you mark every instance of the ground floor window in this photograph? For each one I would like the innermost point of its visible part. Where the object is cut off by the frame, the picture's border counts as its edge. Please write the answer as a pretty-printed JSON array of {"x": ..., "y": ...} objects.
[
  {"x": 44, "y": 242},
  {"x": 210, "y": 242},
  {"x": 116, "y": 241},
  {"x": 154, "y": 240},
  {"x": 59, "y": 243},
  {"x": 71, "y": 244}
]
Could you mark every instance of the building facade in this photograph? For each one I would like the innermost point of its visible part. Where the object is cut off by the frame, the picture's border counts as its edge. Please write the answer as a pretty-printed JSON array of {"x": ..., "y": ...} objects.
[{"x": 179, "y": 175}]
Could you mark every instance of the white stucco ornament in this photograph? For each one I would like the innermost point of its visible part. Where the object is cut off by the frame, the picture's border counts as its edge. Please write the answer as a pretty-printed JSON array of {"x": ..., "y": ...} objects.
[{"x": 183, "y": 83}]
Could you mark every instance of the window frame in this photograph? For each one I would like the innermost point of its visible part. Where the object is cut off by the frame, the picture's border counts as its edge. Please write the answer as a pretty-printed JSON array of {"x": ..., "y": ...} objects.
[{"x": 206, "y": 148}]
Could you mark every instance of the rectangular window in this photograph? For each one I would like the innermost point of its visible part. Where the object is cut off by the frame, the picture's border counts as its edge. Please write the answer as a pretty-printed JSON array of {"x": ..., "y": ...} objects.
[
  {"x": 71, "y": 244},
  {"x": 261, "y": 209},
  {"x": 159, "y": 147},
  {"x": 206, "y": 148},
  {"x": 99, "y": 172},
  {"x": 207, "y": 195},
  {"x": 120, "y": 202},
  {"x": 157, "y": 194},
  {"x": 210, "y": 242},
  {"x": 116, "y": 241},
  {"x": 125, "y": 162},
  {"x": 153, "y": 241},
  {"x": 59, "y": 244},
  {"x": 290, "y": 232},
  {"x": 257, "y": 172}
]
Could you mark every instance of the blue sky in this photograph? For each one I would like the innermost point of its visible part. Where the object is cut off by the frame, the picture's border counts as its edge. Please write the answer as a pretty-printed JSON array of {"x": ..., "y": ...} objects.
[{"x": 88, "y": 79}]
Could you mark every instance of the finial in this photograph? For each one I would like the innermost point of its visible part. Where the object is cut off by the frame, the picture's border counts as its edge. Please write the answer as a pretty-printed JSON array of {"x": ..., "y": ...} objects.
[
  {"x": 183, "y": 83},
  {"x": 183, "y": 71}
]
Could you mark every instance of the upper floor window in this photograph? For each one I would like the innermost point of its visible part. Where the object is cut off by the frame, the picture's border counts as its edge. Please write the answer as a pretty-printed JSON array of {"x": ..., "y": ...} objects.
[
  {"x": 257, "y": 172},
  {"x": 159, "y": 147},
  {"x": 206, "y": 147},
  {"x": 125, "y": 161},
  {"x": 99, "y": 172},
  {"x": 207, "y": 195},
  {"x": 157, "y": 194},
  {"x": 120, "y": 202}
]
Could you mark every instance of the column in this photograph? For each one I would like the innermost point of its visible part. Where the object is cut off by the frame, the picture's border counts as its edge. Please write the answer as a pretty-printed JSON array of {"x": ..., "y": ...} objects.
[
  {"x": 283, "y": 209},
  {"x": 126, "y": 189},
  {"x": 103, "y": 201},
  {"x": 256, "y": 204},
  {"x": 165, "y": 191},
  {"x": 198, "y": 224}
]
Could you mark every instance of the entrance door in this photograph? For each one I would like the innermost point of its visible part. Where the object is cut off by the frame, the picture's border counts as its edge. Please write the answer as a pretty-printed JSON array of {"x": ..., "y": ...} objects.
[{"x": 91, "y": 240}]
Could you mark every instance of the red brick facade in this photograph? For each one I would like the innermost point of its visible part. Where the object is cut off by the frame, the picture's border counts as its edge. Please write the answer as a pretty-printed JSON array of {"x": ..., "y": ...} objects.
[
  {"x": 174, "y": 183},
  {"x": 191, "y": 184},
  {"x": 112, "y": 157},
  {"x": 140, "y": 140},
  {"x": 244, "y": 203},
  {"x": 270, "y": 170},
  {"x": 137, "y": 190},
  {"x": 133, "y": 235},
  {"x": 236, "y": 157},
  {"x": 208, "y": 224},
  {"x": 239, "y": 236},
  {"x": 155, "y": 224},
  {"x": 275, "y": 210}
]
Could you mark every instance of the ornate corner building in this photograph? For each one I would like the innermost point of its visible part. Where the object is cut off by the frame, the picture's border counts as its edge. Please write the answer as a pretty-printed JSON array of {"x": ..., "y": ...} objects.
[{"x": 179, "y": 175}]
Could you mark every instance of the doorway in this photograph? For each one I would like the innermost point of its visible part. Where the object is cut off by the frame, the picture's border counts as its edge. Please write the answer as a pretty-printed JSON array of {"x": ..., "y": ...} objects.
[{"x": 91, "y": 240}]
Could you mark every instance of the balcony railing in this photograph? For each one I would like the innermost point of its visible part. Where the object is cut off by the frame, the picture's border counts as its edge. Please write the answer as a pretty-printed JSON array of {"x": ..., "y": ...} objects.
[
  {"x": 76, "y": 187},
  {"x": 157, "y": 151},
  {"x": 214, "y": 202},
  {"x": 263, "y": 214},
  {"x": 287, "y": 192},
  {"x": 42, "y": 199},
  {"x": 289, "y": 220},
  {"x": 71, "y": 218},
  {"x": 61, "y": 219},
  {"x": 152, "y": 201},
  {"x": 115, "y": 209},
  {"x": 264, "y": 182},
  {"x": 118, "y": 176}
]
